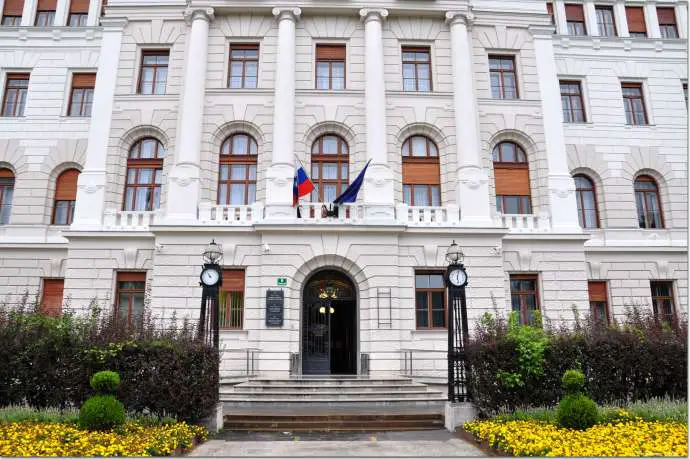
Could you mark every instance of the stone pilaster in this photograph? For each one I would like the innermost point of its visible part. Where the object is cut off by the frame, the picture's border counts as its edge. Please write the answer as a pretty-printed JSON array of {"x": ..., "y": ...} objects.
[{"x": 621, "y": 19}]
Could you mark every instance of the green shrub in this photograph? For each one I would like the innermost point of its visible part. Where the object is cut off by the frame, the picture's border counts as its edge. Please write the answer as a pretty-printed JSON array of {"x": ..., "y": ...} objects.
[
  {"x": 105, "y": 382},
  {"x": 573, "y": 382},
  {"x": 660, "y": 409},
  {"x": 101, "y": 412},
  {"x": 22, "y": 413},
  {"x": 577, "y": 412}
]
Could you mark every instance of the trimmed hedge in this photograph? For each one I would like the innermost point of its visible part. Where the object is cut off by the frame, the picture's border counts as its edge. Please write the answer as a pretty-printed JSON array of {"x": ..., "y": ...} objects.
[
  {"x": 48, "y": 362},
  {"x": 638, "y": 359}
]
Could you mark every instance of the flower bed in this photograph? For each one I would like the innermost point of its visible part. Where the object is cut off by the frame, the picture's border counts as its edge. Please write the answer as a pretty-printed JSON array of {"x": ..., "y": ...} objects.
[
  {"x": 626, "y": 438},
  {"x": 61, "y": 439}
]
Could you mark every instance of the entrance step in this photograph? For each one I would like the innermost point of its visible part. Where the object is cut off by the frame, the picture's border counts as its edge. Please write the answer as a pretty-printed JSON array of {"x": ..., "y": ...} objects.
[{"x": 331, "y": 404}]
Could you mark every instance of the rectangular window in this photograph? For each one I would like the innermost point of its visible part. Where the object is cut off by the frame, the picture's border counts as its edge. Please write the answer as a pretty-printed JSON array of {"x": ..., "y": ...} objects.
[
  {"x": 633, "y": 101},
  {"x": 422, "y": 195},
  {"x": 598, "y": 304},
  {"x": 416, "y": 65},
  {"x": 51, "y": 299},
  {"x": 549, "y": 10},
  {"x": 503, "y": 78},
  {"x": 662, "y": 300},
  {"x": 81, "y": 98},
  {"x": 330, "y": 66},
  {"x": 232, "y": 299},
  {"x": 78, "y": 13},
  {"x": 430, "y": 300},
  {"x": 154, "y": 71},
  {"x": 606, "y": 21},
  {"x": 667, "y": 22},
  {"x": 685, "y": 94},
  {"x": 513, "y": 204},
  {"x": 636, "y": 23},
  {"x": 575, "y": 17},
  {"x": 45, "y": 13},
  {"x": 244, "y": 66},
  {"x": 524, "y": 296},
  {"x": 16, "y": 88},
  {"x": 12, "y": 12},
  {"x": 571, "y": 99},
  {"x": 130, "y": 293}
]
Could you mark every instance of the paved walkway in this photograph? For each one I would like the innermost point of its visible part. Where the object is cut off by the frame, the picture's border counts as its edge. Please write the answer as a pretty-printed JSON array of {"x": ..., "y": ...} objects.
[{"x": 432, "y": 443}]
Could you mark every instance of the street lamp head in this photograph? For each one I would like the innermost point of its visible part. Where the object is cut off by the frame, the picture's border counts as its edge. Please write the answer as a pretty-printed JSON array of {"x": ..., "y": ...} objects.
[
  {"x": 213, "y": 252},
  {"x": 454, "y": 254}
]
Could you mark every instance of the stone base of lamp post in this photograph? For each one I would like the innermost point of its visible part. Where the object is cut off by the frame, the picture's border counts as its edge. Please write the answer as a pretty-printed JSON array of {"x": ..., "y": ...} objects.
[
  {"x": 456, "y": 414},
  {"x": 214, "y": 421}
]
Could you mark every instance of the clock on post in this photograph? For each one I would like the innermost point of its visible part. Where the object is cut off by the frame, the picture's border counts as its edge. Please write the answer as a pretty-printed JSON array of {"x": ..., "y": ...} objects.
[{"x": 211, "y": 279}]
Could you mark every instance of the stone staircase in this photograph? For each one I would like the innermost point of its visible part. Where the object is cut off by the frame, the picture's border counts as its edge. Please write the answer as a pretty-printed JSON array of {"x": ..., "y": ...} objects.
[{"x": 358, "y": 404}]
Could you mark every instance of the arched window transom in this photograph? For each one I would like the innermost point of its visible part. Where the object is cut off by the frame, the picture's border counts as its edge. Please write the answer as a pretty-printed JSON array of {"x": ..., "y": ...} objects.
[
  {"x": 144, "y": 175},
  {"x": 65, "y": 197},
  {"x": 421, "y": 172},
  {"x": 511, "y": 174},
  {"x": 648, "y": 203},
  {"x": 6, "y": 193},
  {"x": 587, "y": 212},
  {"x": 237, "y": 170},
  {"x": 330, "y": 167}
]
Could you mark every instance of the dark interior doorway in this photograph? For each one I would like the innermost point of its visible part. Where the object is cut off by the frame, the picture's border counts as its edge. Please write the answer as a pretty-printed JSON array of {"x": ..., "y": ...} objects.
[{"x": 329, "y": 325}]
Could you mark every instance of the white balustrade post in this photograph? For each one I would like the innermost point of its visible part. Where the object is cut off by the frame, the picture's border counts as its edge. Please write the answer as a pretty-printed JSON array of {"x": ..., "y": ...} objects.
[
  {"x": 563, "y": 206},
  {"x": 282, "y": 170},
  {"x": 183, "y": 181},
  {"x": 90, "y": 202},
  {"x": 621, "y": 19},
  {"x": 61, "y": 12},
  {"x": 682, "y": 18},
  {"x": 378, "y": 182},
  {"x": 591, "y": 16},
  {"x": 472, "y": 187},
  {"x": 651, "y": 19},
  {"x": 561, "y": 21}
]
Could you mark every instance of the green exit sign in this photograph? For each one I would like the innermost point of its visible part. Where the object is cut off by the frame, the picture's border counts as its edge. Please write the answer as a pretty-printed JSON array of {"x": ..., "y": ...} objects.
[{"x": 282, "y": 281}]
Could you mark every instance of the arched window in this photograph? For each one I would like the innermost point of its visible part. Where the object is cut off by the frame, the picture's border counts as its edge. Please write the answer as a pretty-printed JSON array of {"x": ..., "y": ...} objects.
[
  {"x": 65, "y": 197},
  {"x": 648, "y": 204},
  {"x": 586, "y": 202},
  {"x": 330, "y": 167},
  {"x": 144, "y": 175},
  {"x": 421, "y": 172},
  {"x": 511, "y": 174},
  {"x": 237, "y": 173},
  {"x": 6, "y": 192}
]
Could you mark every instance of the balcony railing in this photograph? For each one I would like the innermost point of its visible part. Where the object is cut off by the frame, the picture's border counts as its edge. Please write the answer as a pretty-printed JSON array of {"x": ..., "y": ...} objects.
[
  {"x": 524, "y": 223},
  {"x": 129, "y": 220},
  {"x": 427, "y": 215},
  {"x": 213, "y": 214},
  {"x": 327, "y": 213}
]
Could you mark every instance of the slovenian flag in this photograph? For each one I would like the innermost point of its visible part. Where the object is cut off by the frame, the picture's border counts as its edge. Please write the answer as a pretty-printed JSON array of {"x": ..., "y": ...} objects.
[
  {"x": 301, "y": 185},
  {"x": 350, "y": 194}
]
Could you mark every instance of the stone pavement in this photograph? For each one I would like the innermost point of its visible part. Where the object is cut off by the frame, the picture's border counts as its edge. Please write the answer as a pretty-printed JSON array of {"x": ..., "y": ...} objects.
[{"x": 429, "y": 443}]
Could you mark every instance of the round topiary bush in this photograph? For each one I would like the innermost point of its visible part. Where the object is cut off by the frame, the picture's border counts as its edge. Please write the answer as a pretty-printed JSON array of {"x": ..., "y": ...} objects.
[
  {"x": 101, "y": 412},
  {"x": 577, "y": 412},
  {"x": 105, "y": 382},
  {"x": 573, "y": 382}
]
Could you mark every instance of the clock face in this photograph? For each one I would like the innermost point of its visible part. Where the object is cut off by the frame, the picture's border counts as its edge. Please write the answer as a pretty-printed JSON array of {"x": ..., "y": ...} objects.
[
  {"x": 458, "y": 277},
  {"x": 210, "y": 277}
]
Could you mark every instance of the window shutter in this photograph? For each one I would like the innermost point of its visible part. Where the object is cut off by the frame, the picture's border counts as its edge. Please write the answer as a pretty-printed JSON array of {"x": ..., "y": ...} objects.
[
  {"x": 512, "y": 181},
  {"x": 84, "y": 80},
  {"x": 667, "y": 16},
  {"x": 574, "y": 13},
  {"x": 79, "y": 6},
  {"x": 13, "y": 8},
  {"x": 6, "y": 173},
  {"x": 427, "y": 173},
  {"x": 46, "y": 5},
  {"x": 51, "y": 304},
  {"x": 597, "y": 291},
  {"x": 233, "y": 280},
  {"x": 330, "y": 52},
  {"x": 66, "y": 186},
  {"x": 635, "y": 15},
  {"x": 131, "y": 277}
]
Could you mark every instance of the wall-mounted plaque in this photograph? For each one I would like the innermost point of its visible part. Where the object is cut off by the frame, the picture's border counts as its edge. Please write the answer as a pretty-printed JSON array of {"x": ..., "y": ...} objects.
[{"x": 275, "y": 301}]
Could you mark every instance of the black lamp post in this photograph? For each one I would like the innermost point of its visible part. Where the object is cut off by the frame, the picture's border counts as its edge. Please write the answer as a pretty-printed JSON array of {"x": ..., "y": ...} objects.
[
  {"x": 211, "y": 280},
  {"x": 458, "y": 335}
]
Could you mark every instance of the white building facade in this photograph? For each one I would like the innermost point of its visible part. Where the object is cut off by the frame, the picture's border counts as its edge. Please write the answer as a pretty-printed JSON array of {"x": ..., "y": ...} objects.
[{"x": 549, "y": 140}]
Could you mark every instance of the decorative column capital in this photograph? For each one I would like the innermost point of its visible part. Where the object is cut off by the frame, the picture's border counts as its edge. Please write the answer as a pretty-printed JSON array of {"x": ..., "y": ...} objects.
[
  {"x": 456, "y": 17},
  {"x": 291, "y": 14},
  {"x": 192, "y": 14},
  {"x": 368, "y": 14},
  {"x": 111, "y": 24},
  {"x": 543, "y": 32}
]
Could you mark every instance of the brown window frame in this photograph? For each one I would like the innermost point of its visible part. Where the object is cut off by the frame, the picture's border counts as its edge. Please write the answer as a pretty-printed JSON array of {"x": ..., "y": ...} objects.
[
  {"x": 228, "y": 159},
  {"x": 319, "y": 158},
  {"x": 18, "y": 108},
  {"x": 524, "y": 319},
  {"x": 501, "y": 76},
  {"x": 136, "y": 164},
  {"x": 131, "y": 293},
  {"x": 520, "y": 163},
  {"x": 603, "y": 25},
  {"x": 10, "y": 20},
  {"x": 655, "y": 300},
  {"x": 638, "y": 11},
  {"x": 570, "y": 113},
  {"x": 330, "y": 61},
  {"x": 61, "y": 196},
  {"x": 631, "y": 118},
  {"x": 85, "y": 89},
  {"x": 579, "y": 195},
  {"x": 642, "y": 214},
  {"x": 596, "y": 297},
  {"x": 575, "y": 17},
  {"x": 156, "y": 81},
  {"x": 666, "y": 24},
  {"x": 49, "y": 14},
  {"x": 52, "y": 310},
  {"x": 229, "y": 291},
  {"x": 79, "y": 19},
  {"x": 429, "y": 303},
  {"x": 7, "y": 181},
  {"x": 429, "y": 164},
  {"x": 243, "y": 61},
  {"x": 12, "y": 13},
  {"x": 422, "y": 50}
]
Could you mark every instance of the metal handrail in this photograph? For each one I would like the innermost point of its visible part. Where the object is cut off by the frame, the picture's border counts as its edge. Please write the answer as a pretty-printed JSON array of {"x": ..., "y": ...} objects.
[{"x": 407, "y": 356}]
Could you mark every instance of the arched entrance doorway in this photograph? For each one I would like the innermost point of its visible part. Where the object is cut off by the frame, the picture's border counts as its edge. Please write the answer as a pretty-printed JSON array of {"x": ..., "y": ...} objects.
[{"x": 329, "y": 324}]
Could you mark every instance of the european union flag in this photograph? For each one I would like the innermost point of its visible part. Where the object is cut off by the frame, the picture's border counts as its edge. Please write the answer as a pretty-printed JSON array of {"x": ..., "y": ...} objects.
[{"x": 350, "y": 193}]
